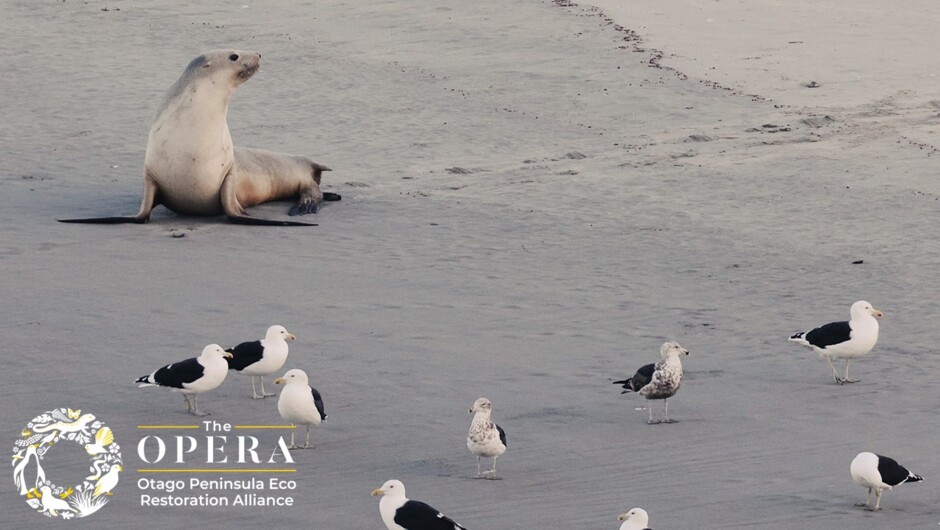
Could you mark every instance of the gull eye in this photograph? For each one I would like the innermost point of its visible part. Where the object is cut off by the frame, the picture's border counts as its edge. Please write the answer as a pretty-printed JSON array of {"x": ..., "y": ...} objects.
[{"x": 233, "y": 57}]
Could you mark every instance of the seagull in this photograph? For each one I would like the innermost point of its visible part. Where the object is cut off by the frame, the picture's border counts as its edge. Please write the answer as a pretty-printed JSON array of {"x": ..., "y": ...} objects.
[
  {"x": 261, "y": 357},
  {"x": 844, "y": 340},
  {"x": 400, "y": 513},
  {"x": 660, "y": 380},
  {"x": 299, "y": 403},
  {"x": 485, "y": 439},
  {"x": 878, "y": 473},
  {"x": 193, "y": 376},
  {"x": 635, "y": 519}
]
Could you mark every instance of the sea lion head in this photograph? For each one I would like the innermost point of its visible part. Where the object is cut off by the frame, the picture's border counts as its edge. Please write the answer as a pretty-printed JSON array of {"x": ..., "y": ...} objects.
[
  {"x": 237, "y": 65},
  {"x": 222, "y": 70}
]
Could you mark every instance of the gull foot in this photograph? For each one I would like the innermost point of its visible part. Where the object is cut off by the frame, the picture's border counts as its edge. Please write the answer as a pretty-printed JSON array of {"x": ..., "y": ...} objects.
[
  {"x": 198, "y": 413},
  {"x": 653, "y": 422},
  {"x": 667, "y": 420},
  {"x": 863, "y": 505},
  {"x": 266, "y": 394}
]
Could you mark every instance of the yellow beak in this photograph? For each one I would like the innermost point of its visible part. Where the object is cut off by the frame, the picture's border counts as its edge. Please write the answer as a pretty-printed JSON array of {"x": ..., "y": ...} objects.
[
  {"x": 279, "y": 381},
  {"x": 290, "y": 336},
  {"x": 227, "y": 355},
  {"x": 877, "y": 313},
  {"x": 377, "y": 492},
  {"x": 623, "y": 517}
]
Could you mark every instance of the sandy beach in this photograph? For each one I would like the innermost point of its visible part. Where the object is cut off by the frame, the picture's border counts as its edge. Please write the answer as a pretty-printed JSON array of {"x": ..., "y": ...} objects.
[{"x": 536, "y": 195}]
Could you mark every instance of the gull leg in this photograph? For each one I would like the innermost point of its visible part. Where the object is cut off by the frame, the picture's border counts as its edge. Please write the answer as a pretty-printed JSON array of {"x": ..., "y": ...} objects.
[
  {"x": 847, "y": 380},
  {"x": 263, "y": 393},
  {"x": 650, "y": 408},
  {"x": 877, "y": 500},
  {"x": 196, "y": 411},
  {"x": 189, "y": 404},
  {"x": 666, "y": 412},
  {"x": 307, "y": 445},
  {"x": 254, "y": 390},
  {"x": 292, "y": 444},
  {"x": 493, "y": 472},
  {"x": 479, "y": 474},
  {"x": 867, "y": 502},
  {"x": 835, "y": 374}
]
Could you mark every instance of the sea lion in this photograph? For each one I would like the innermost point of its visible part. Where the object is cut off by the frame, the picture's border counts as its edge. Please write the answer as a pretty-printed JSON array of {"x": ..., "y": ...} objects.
[{"x": 191, "y": 166}]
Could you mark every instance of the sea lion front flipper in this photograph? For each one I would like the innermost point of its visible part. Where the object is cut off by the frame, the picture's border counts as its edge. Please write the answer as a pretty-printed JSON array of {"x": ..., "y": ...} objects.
[
  {"x": 330, "y": 196},
  {"x": 105, "y": 220},
  {"x": 147, "y": 203}
]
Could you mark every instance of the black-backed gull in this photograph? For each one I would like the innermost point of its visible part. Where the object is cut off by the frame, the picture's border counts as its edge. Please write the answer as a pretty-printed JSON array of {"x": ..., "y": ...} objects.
[
  {"x": 401, "y": 513},
  {"x": 844, "y": 340},
  {"x": 299, "y": 403},
  {"x": 263, "y": 357},
  {"x": 193, "y": 376},
  {"x": 878, "y": 473}
]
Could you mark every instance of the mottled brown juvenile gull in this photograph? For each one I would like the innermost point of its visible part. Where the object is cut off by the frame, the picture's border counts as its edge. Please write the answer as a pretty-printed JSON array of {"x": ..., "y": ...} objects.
[
  {"x": 660, "y": 380},
  {"x": 485, "y": 438}
]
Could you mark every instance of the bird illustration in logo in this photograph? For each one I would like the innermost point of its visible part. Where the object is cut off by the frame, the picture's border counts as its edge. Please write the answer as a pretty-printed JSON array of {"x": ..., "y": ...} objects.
[
  {"x": 19, "y": 470},
  {"x": 108, "y": 481},
  {"x": 103, "y": 438}
]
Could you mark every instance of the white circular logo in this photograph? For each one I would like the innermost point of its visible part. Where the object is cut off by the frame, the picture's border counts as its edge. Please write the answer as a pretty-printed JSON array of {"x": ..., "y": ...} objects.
[{"x": 40, "y": 435}]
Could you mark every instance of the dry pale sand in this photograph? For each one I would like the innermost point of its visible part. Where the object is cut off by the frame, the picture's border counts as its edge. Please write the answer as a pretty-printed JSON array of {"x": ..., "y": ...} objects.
[{"x": 535, "y": 197}]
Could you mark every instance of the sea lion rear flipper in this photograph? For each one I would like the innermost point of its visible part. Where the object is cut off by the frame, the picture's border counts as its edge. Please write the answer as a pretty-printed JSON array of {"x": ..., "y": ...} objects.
[
  {"x": 247, "y": 220},
  {"x": 236, "y": 213}
]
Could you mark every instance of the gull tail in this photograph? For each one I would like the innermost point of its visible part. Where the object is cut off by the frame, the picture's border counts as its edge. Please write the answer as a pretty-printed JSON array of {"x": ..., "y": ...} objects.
[
  {"x": 627, "y": 385},
  {"x": 799, "y": 338},
  {"x": 146, "y": 380},
  {"x": 911, "y": 477}
]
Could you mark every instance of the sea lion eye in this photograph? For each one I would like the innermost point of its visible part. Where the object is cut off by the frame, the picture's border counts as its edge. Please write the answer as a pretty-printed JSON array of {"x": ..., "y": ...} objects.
[{"x": 233, "y": 57}]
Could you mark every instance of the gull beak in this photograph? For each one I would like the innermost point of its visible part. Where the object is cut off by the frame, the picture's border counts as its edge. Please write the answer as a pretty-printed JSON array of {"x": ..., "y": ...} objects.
[
  {"x": 279, "y": 381},
  {"x": 290, "y": 336},
  {"x": 227, "y": 355},
  {"x": 623, "y": 517},
  {"x": 377, "y": 492},
  {"x": 876, "y": 313}
]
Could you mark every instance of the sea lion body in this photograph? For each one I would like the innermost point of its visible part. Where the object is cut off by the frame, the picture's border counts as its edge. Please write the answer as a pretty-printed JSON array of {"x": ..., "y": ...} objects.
[{"x": 191, "y": 165}]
